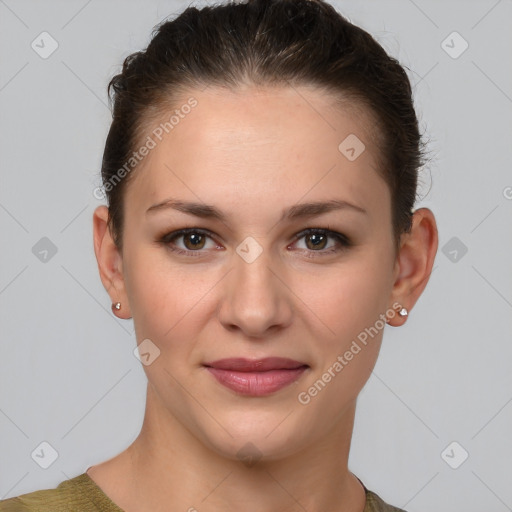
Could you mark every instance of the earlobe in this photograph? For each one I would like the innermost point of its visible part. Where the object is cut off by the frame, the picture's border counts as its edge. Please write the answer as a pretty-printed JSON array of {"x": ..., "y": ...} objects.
[
  {"x": 414, "y": 262},
  {"x": 109, "y": 261}
]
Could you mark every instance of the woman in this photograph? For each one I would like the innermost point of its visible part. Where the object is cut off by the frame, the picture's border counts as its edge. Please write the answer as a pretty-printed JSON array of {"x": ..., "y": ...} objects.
[{"x": 261, "y": 172}]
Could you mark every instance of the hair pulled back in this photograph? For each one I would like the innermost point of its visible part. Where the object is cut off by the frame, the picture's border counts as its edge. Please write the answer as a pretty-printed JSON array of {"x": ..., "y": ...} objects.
[{"x": 265, "y": 42}]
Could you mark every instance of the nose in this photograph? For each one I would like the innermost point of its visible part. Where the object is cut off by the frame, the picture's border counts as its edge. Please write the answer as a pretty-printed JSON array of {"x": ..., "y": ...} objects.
[{"x": 255, "y": 298}]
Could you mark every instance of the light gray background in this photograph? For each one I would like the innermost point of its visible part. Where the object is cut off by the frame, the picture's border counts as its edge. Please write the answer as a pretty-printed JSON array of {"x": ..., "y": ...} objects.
[{"x": 68, "y": 375}]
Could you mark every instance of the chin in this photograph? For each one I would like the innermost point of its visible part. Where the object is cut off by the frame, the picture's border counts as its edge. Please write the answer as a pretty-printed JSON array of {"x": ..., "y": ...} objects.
[
  {"x": 256, "y": 435},
  {"x": 255, "y": 449}
]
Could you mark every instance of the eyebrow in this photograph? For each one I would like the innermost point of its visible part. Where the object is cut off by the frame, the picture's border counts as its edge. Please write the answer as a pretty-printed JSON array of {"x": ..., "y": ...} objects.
[{"x": 294, "y": 212}]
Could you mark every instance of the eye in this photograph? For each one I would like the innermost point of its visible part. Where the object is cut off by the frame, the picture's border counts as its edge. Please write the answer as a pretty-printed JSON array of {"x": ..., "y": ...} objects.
[
  {"x": 316, "y": 240},
  {"x": 193, "y": 241}
]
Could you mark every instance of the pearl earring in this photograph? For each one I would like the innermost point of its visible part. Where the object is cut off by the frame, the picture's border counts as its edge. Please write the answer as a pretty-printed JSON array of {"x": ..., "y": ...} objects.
[{"x": 116, "y": 306}]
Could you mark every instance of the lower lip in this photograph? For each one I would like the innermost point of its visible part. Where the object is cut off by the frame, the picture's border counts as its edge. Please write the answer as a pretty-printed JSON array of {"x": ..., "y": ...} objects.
[{"x": 256, "y": 383}]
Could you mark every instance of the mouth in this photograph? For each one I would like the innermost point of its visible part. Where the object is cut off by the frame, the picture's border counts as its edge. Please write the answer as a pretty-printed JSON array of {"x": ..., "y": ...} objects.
[{"x": 256, "y": 377}]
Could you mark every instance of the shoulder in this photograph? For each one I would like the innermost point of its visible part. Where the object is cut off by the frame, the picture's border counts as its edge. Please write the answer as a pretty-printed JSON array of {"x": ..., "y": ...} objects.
[
  {"x": 374, "y": 503},
  {"x": 78, "y": 494}
]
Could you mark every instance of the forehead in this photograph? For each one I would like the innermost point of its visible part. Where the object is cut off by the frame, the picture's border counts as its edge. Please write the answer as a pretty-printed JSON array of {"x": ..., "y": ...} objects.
[{"x": 255, "y": 141}]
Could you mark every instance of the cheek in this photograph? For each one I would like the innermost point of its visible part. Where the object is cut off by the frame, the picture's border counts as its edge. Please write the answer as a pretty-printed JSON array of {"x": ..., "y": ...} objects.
[
  {"x": 163, "y": 297},
  {"x": 348, "y": 337},
  {"x": 348, "y": 298}
]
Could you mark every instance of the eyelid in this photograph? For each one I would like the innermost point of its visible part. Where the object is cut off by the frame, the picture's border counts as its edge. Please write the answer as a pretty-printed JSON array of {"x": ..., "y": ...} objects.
[
  {"x": 323, "y": 231},
  {"x": 342, "y": 240},
  {"x": 166, "y": 238}
]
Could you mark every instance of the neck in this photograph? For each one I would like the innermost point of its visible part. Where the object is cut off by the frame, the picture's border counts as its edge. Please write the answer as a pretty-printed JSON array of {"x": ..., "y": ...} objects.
[{"x": 168, "y": 468}]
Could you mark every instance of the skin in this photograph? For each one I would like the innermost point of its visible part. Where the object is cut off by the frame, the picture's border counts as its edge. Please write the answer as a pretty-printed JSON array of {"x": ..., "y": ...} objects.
[{"x": 252, "y": 154}]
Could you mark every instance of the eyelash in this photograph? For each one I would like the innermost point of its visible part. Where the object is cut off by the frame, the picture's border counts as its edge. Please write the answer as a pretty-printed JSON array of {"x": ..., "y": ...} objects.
[{"x": 341, "y": 239}]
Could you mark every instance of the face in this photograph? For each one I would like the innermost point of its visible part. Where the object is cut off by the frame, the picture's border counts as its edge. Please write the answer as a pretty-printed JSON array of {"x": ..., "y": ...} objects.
[{"x": 288, "y": 254}]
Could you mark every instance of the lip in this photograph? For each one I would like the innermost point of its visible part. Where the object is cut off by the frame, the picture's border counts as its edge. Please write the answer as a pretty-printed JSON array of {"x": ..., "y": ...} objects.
[{"x": 256, "y": 377}]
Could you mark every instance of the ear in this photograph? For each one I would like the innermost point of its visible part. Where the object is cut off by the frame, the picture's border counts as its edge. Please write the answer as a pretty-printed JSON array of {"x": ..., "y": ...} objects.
[
  {"x": 110, "y": 263},
  {"x": 414, "y": 262}
]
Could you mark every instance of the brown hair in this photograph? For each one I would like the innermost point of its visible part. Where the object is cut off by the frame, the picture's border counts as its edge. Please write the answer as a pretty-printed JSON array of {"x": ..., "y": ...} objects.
[{"x": 269, "y": 42}]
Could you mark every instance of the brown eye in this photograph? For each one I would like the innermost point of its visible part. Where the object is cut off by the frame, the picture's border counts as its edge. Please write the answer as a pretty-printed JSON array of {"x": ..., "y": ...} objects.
[
  {"x": 189, "y": 241},
  {"x": 194, "y": 241},
  {"x": 316, "y": 241}
]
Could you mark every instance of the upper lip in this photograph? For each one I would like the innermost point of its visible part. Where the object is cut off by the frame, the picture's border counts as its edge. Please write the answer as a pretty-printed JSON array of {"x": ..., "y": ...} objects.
[{"x": 241, "y": 364}]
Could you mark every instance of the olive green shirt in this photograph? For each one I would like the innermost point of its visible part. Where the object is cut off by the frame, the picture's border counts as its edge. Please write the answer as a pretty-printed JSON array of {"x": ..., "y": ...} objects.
[{"x": 81, "y": 494}]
